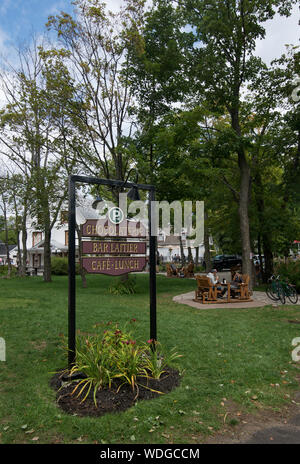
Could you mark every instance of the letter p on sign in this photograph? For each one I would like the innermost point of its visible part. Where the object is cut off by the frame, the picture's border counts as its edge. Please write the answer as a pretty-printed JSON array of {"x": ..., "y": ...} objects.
[{"x": 2, "y": 349}]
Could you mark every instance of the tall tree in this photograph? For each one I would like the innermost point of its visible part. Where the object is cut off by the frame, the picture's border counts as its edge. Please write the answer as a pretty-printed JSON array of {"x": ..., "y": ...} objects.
[
  {"x": 226, "y": 33},
  {"x": 34, "y": 140},
  {"x": 94, "y": 42},
  {"x": 156, "y": 73}
]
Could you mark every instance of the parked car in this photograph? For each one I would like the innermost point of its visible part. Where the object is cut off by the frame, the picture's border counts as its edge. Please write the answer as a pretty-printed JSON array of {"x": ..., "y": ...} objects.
[
  {"x": 257, "y": 261},
  {"x": 226, "y": 262}
]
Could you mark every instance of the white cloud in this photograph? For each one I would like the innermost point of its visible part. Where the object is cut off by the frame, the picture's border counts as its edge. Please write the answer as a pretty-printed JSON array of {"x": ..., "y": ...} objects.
[
  {"x": 7, "y": 51},
  {"x": 56, "y": 8},
  {"x": 279, "y": 32}
]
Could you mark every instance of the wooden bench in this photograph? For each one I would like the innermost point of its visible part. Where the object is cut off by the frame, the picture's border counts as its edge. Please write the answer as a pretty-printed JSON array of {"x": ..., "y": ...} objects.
[
  {"x": 235, "y": 269},
  {"x": 170, "y": 271},
  {"x": 243, "y": 288},
  {"x": 206, "y": 292},
  {"x": 189, "y": 270}
]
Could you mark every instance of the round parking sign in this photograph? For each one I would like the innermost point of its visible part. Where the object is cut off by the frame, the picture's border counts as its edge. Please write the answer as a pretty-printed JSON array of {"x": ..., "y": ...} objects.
[{"x": 115, "y": 215}]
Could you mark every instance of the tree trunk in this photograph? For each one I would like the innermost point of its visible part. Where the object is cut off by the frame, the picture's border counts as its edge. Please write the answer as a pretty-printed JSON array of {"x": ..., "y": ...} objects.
[
  {"x": 6, "y": 238},
  {"x": 244, "y": 215},
  {"x": 268, "y": 255},
  {"x": 267, "y": 269},
  {"x": 19, "y": 254},
  {"x": 207, "y": 258},
  {"x": 24, "y": 245},
  {"x": 47, "y": 254},
  {"x": 197, "y": 256},
  {"x": 244, "y": 196},
  {"x": 181, "y": 251}
]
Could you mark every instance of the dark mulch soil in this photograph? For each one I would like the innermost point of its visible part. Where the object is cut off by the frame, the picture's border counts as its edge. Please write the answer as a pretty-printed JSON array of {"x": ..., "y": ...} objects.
[{"x": 109, "y": 400}]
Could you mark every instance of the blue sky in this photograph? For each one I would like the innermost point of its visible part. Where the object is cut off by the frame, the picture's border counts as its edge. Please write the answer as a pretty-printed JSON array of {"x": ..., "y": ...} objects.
[{"x": 18, "y": 18}]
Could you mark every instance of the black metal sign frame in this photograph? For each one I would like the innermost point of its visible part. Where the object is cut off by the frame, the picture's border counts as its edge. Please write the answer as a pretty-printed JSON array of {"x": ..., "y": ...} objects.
[{"x": 73, "y": 179}]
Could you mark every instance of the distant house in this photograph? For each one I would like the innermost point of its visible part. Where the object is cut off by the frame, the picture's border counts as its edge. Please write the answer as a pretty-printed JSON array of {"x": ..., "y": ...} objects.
[
  {"x": 59, "y": 239},
  {"x": 3, "y": 253},
  {"x": 168, "y": 247}
]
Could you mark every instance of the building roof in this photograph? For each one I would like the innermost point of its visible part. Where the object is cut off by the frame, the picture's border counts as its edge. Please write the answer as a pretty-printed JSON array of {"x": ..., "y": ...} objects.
[
  {"x": 55, "y": 246},
  {"x": 169, "y": 240},
  {"x": 3, "y": 251}
]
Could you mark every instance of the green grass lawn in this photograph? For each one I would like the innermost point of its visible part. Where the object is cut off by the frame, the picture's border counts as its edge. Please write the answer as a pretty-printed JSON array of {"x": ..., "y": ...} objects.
[{"x": 243, "y": 355}]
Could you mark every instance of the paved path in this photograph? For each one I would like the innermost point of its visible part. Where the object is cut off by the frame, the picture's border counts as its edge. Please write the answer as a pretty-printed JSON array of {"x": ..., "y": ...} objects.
[
  {"x": 284, "y": 431},
  {"x": 282, "y": 434},
  {"x": 259, "y": 299}
]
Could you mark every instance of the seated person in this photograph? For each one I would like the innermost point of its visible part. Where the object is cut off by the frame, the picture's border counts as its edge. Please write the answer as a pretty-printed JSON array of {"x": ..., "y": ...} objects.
[
  {"x": 234, "y": 285},
  {"x": 173, "y": 268},
  {"x": 180, "y": 271},
  {"x": 214, "y": 278}
]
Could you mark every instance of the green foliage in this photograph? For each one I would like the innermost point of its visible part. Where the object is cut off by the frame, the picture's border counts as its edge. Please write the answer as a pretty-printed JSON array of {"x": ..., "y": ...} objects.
[
  {"x": 59, "y": 266},
  {"x": 289, "y": 271},
  {"x": 158, "y": 359},
  {"x": 116, "y": 355},
  {"x": 199, "y": 268},
  {"x": 123, "y": 287},
  {"x": 4, "y": 270}
]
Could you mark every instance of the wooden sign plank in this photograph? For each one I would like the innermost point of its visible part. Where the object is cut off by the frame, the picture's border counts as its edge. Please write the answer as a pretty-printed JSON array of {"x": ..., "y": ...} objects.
[
  {"x": 105, "y": 228},
  {"x": 113, "y": 248},
  {"x": 114, "y": 265}
]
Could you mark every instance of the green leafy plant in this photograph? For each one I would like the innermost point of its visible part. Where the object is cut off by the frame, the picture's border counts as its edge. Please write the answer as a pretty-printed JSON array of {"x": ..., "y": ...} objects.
[
  {"x": 157, "y": 359},
  {"x": 4, "y": 270},
  {"x": 59, "y": 266},
  {"x": 289, "y": 271},
  {"x": 116, "y": 355},
  {"x": 124, "y": 287}
]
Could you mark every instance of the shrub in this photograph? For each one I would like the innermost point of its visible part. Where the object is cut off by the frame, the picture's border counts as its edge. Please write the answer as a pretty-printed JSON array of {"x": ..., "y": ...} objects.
[
  {"x": 123, "y": 287},
  {"x": 199, "y": 268},
  {"x": 59, "y": 266},
  {"x": 4, "y": 270},
  {"x": 289, "y": 271}
]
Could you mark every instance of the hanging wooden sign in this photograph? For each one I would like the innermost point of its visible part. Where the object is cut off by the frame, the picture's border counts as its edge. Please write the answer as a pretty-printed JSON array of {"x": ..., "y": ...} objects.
[
  {"x": 105, "y": 228},
  {"x": 113, "y": 248},
  {"x": 114, "y": 265}
]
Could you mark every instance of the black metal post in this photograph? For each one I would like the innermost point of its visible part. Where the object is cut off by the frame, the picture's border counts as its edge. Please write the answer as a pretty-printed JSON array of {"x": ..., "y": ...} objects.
[
  {"x": 152, "y": 263},
  {"x": 72, "y": 274}
]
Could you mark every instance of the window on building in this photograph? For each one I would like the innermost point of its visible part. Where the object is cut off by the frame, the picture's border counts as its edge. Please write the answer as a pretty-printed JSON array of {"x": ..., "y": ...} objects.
[
  {"x": 64, "y": 216},
  {"x": 36, "y": 261},
  {"x": 36, "y": 238}
]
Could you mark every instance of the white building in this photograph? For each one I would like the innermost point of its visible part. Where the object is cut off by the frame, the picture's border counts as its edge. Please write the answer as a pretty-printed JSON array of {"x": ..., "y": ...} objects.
[
  {"x": 168, "y": 247},
  {"x": 59, "y": 238}
]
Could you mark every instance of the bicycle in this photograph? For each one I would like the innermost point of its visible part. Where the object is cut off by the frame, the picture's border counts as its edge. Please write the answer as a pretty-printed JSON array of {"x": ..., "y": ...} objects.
[
  {"x": 290, "y": 292},
  {"x": 279, "y": 290},
  {"x": 272, "y": 289}
]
